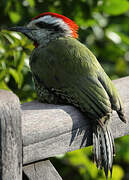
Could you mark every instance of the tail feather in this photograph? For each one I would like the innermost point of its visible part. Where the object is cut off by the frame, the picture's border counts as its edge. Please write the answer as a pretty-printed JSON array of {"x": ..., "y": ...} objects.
[
  {"x": 121, "y": 115},
  {"x": 112, "y": 140},
  {"x": 96, "y": 148},
  {"x": 120, "y": 111},
  {"x": 111, "y": 149},
  {"x": 103, "y": 148}
]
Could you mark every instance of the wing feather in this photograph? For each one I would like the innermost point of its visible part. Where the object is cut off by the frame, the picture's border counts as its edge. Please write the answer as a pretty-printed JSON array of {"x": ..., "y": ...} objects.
[{"x": 73, "y": 71}]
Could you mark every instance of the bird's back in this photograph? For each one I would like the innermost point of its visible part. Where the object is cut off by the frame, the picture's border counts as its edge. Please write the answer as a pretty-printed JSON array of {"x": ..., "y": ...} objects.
[{"x": 67, "y": 69}]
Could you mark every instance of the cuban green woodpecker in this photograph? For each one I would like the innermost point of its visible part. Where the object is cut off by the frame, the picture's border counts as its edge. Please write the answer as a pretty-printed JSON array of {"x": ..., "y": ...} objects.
[{"x": 65, "y": 71}]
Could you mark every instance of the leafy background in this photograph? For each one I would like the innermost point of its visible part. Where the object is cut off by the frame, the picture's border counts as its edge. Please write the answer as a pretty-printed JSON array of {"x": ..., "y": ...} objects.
[{"x": 104, "y": 28}]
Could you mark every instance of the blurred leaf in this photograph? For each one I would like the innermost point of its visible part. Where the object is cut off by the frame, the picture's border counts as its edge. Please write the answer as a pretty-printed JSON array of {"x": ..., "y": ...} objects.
[
  {"x": 115, "y": 7},
  {"x": 21, "y": 62},
  {"x": 8, "y": 6},
  {"x": 31, "y": 2},
  {"x": 124, "y": 37},
  {"x": 118, "y": 173},
  {"x": 14, "y": 16},
  {"x": 3, "y": 85},
  {"x": 14, "y": 74},
  {"x": 79, "y": 158},
  {"x": 121, "y": 66},
  {"x": 113, "y": 36},
  {"x": 3, "y": 73}
]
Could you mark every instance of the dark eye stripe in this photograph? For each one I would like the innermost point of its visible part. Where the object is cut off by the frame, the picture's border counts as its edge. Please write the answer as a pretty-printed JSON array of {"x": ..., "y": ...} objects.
[
  {"x": 42, "y": 25},
  {"x": 49, "y": 26}
]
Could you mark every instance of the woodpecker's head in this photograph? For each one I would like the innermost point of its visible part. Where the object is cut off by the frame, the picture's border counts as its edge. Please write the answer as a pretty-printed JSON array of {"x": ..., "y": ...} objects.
[{"x": 48, "y": 26}]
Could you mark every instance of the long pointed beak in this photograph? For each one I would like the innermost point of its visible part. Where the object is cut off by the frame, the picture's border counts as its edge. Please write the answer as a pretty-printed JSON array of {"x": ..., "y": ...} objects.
[
  {"x": 21, "y": 29},
  {"x": 24, "y": 30}
]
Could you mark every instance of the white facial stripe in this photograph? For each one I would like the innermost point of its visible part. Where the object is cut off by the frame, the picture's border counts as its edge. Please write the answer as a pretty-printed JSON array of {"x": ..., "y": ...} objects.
[{"x": 52, "y": 20}]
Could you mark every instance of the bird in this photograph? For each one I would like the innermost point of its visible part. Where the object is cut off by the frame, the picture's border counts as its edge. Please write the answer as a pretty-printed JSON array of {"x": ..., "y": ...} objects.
[{"x": 65, "y": 71}]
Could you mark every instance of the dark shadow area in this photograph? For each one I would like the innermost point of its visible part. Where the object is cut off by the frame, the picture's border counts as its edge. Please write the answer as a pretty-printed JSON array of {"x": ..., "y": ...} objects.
[
  {"x": 81, "y": 125},
  {"x": 24, "y": 176}
]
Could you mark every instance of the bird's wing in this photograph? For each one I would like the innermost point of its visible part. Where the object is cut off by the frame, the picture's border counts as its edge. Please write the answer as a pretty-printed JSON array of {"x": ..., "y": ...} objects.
[
  {"x": 89, "y": 95},
  {"x": 113, "y": 94},
  {"x": 70, "y": 69}
]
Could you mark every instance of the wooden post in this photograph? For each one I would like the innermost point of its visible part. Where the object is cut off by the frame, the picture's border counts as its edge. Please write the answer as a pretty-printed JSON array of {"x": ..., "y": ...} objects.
[
  {"x": 49, "y": 130},
  {"x": 43, "y": 170},
  {"x": 10, "y": 137}
]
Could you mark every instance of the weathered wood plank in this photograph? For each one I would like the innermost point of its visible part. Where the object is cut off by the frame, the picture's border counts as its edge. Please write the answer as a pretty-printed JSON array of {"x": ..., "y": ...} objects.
[
  {"x": 49, "y": 130},
  {"x": 10, "y": 137},
  {"x": 43, "y": 170}
]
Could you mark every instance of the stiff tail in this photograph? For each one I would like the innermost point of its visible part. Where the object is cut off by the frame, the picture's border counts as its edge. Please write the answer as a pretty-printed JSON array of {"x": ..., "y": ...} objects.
[
  {"x": 121, "y": 115},
  {"x": 103, "y": 148}
]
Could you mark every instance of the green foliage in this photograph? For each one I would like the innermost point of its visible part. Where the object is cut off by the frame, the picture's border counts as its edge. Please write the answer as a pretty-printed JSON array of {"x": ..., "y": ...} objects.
[
  {"x": 14, "y": 69},
  {"x": 87, "y": 169},
  {"x": 115, "y": 7},
  {"x": 104, "y": 28}
]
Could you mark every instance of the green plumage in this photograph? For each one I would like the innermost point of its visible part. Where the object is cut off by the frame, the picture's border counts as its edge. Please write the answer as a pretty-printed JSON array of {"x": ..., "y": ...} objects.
[
  {"x": 65, "y": 71},
  {"x": 67, "y": 68}
]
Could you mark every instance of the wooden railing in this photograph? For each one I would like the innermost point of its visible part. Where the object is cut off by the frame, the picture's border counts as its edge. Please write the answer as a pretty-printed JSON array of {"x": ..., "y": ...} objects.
[{"x": 35, "y": 131}]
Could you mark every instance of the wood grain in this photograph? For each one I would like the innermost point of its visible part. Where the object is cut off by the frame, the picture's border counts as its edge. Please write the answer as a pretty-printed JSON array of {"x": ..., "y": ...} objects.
[
  {"x": 43, "y": 170},
  {"x": 49, "y": 130},
  {"x": 10, "y": 137}
]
